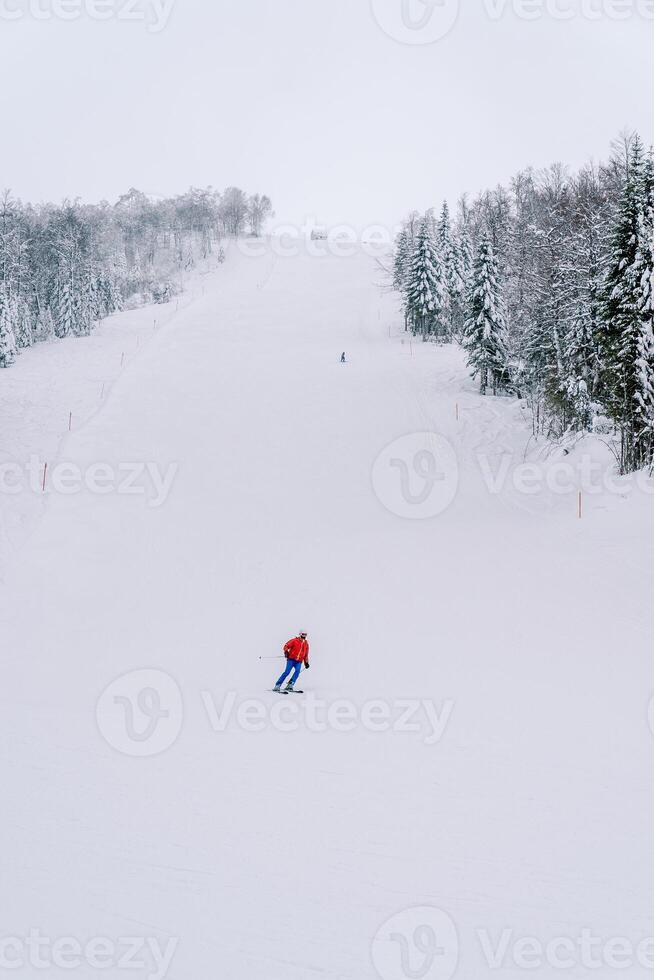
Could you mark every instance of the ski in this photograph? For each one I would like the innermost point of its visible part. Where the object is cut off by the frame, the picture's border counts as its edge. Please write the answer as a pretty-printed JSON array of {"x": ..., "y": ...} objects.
[{"x": 285, "y": 692}]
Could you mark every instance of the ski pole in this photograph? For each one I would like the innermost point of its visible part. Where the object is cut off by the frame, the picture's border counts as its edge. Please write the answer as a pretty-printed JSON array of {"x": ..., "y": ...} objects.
[{"x": 279, "y": 657}]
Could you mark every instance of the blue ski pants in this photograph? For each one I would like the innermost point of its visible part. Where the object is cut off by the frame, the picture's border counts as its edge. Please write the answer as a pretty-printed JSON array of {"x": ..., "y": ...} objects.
[{"x": 291, "y": 665}]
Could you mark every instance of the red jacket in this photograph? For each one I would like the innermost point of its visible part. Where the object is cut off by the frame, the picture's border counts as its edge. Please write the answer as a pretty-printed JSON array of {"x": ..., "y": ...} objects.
[{"x": 297, "y": 649}]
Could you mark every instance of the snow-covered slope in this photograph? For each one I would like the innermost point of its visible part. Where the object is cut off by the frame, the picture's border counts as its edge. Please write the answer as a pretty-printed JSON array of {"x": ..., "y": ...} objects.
[{"x": 515, "y": 634}]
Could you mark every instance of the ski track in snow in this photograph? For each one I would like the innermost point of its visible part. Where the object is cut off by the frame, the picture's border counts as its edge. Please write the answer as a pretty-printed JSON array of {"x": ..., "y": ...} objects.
[{"x": 279, "y": 855}]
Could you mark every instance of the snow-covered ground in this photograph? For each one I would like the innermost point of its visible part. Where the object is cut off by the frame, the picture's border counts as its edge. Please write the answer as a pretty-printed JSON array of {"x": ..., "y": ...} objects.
[
  {"x": 57, "y": 387},
  {"x": 275, "y": 839}
]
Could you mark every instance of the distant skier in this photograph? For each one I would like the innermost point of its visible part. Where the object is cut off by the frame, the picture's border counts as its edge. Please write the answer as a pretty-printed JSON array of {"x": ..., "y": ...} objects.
[
  {"x": 343, "y": 358},
  {"x": 297, "y": 653}
]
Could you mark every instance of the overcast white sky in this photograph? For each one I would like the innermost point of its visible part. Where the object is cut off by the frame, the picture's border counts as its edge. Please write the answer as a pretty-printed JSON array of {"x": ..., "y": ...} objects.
[{"x": 311, "y": 101}]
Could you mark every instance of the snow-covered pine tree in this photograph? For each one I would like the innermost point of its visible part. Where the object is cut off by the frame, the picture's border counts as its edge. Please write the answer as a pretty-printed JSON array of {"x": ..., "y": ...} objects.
[
  {"x": 581, "y": 368},
  {"x": 45, "y": 326},
  {"x": 452, "y": 273},
  {"x": 401, "y": 259},
  {"x": 425, "y": 286},
  {"x": 583, "y": 269},
  {"x": 23, "y": 330},
  {"x": 577, "y": 396},
  {"x": 108, "y": 294},
  {"x": 644, "y": 273},
  {"x": 583, "y": 261},
  {"x": 135, "y": 276},
  {"x": 464, "y": 260},
  {"x": 87, "y": 306},
  {"x": 546, "y": 345},
  {"x": 65, "y": 322},
  {"x": 117, "y": 271},
  {"x": 484, "y": 339},
  {"x": 402, "y": 267},
  {"x": 7, "y": 337},
  {"x": 520, "y": 286},
  {"x": 545, "y": 283},
  {"x": 626, "y": 338}
]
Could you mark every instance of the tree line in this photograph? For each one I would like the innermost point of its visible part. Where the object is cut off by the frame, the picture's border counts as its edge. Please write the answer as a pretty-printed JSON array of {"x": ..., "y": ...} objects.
[
  {"x": 548, "y": 285},
  {"x": 64, "y": 268}
]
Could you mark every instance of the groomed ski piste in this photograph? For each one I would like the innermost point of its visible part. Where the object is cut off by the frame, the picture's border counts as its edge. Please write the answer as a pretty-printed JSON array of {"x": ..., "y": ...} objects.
[{"x": 470, "y": 765}]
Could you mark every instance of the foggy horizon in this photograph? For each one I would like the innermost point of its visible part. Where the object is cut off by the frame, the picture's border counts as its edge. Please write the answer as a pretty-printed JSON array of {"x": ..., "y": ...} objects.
[{"x": 317, "y": 107}]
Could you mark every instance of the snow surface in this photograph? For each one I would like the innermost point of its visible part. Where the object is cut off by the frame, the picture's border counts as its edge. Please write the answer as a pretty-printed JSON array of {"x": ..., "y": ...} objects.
[{"x": 279, "y": 855}]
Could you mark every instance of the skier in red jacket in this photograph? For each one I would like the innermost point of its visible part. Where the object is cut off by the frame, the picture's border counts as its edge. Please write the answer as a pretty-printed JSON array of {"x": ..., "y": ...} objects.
[{"x": 297, "y": 653}]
